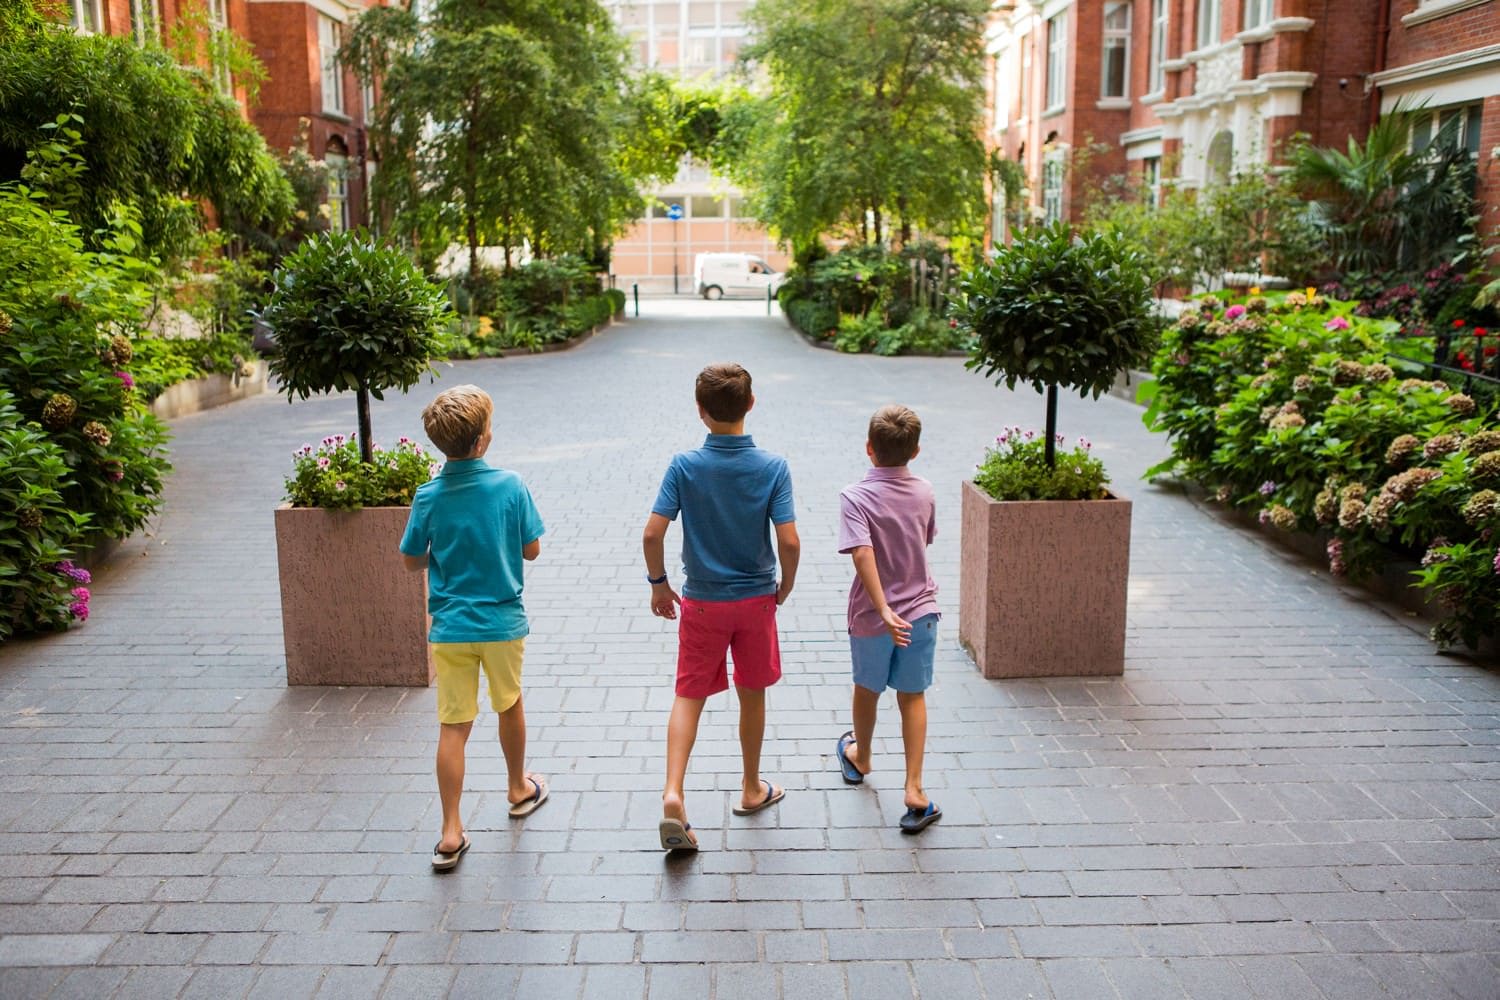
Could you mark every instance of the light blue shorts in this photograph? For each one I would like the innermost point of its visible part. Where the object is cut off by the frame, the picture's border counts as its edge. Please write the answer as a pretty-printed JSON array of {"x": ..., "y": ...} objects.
[{"x": 879, "y": 663}]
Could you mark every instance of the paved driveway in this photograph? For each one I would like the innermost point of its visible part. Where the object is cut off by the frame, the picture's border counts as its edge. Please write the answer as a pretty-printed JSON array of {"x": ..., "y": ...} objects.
[{"x": 1287, "y": 795}]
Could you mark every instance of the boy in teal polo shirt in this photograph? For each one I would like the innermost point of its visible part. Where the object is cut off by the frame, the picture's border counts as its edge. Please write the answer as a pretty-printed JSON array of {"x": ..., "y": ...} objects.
[
  {"x": 470, "y": 528},
  {"x": 732, "y": 497}
]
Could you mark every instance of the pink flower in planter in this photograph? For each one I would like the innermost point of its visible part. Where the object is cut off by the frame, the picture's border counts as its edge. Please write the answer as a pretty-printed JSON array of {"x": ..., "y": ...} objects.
[
  {"x": 323, "y": 462},
  {"x": 1234, "y": 312},
  {"x": 1085, "y": 443},
  {"x": 1497, "y": 561},
  {"x": 1337, "y": 323},
  {"x": 433, "y": 468},
  {"x": 341, "y": 486}
]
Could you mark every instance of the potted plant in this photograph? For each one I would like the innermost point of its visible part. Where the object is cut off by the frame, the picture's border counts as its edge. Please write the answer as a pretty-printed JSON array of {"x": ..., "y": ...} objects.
[
  {"x": 349, "y": 314},
  {"x": 1045, "y": 546}
]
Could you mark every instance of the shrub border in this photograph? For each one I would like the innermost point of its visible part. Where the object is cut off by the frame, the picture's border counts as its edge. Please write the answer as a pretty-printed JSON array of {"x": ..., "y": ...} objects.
[{"x": 827, "y": 345}]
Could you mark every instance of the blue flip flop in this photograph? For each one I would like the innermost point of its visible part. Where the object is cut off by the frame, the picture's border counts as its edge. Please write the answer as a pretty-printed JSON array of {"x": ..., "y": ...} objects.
[
  {"x": 851, "y": 773},
  {"x": 918, "y": 818}
]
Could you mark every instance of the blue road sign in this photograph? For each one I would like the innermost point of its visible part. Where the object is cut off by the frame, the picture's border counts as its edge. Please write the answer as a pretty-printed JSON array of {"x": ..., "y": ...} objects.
[{"x": 674, "y": 212}]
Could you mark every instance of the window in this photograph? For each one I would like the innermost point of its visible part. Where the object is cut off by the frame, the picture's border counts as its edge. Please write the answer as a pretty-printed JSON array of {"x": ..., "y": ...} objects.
[
  {"x": 1220, "y": 160},
  {"x": 1023, "y": 85},
  {"x": 1116, "y": 50},
  {"x": 1003, "y": 69},
  {"x": 329, "y": 40},
  {"x": 1052, "y": 187},
  {"x": 1151, "y": 179},
  {"x": 664, "y": 202},
  {"x": 218, "y": 20},
  {"x": 338, "y": 191},
  {"x": 1057, "y": 60},
  {"x": 1156, "y": 78},
  {"x": 145, "y": 20},
  {"x": 1210, "y": 23},
  {"x": 87, "y": 17},
  {"x": 1257, "y": 13},
  {"x": 739, "y": 208},
  {"x": 706, "y": 206}
]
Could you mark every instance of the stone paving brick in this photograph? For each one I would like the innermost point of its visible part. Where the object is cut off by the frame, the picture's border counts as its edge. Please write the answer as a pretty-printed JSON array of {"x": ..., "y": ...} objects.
[{"x": 1284, "y": 782}]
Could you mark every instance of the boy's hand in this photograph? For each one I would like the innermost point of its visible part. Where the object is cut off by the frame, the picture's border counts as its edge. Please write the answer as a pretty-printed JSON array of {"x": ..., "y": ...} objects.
[
  {"x": 664, "y": 601},
  {"x": 899, "y": 628},
  {"x": 783, "y": 591}
]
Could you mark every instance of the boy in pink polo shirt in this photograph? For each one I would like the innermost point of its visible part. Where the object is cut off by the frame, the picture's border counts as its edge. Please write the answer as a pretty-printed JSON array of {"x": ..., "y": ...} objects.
[{"x": 887, "y": 521}]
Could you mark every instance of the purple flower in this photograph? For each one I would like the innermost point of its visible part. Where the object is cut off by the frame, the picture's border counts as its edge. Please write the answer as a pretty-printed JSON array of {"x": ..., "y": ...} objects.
[
  {"x": 1086, "y": 443},
  {"x": 1267, "y": 488},
  {"x": 1234, "y": 312},
  {"x": 403, "y": 439},
  {"x": 1060, "y": 439},
  {"x": 1264, "y": 517},
  {"x": 322, "y": 461},
  {"x": 125, "y": 379},
  {"x": 1337, "y": 323},
  {"x": 1497, "y": 561},
  {"x": 79, "y": 610},
  {"x": 1030, "y": 435},
  {"x": 115, "y": 475},
  {"x": 80, "y": 594}
]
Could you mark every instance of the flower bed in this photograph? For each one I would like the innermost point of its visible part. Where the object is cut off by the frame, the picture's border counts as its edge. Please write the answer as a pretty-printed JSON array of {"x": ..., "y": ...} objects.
[{"x": 1295, "y": 410}]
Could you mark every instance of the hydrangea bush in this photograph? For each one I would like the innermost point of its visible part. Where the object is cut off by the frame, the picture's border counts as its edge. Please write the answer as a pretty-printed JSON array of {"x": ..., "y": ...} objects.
[
  {"x": 332, "y": 475},
  {"x": 1293, "y": 409}
]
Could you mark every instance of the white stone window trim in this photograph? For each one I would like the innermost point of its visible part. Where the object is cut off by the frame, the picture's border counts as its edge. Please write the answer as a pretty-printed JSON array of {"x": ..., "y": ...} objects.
[
  {"x": 79, "y": 22},
  {"x": 1155, "y": 97},
  {"x": 1270, "y": 30},
  {"x": 1199, "y": 55},
  {"x": 1431, "y": 10},
  {"x": 1175, "y": 65},
  {"x": 1114, "y": 104},
  {"x": 1456, "y": 62}
]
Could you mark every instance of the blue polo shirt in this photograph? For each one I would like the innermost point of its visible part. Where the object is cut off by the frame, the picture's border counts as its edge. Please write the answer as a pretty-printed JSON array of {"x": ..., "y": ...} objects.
[
  {"x": 472, "y": 521},
  {"x": 729, "y": 493}
]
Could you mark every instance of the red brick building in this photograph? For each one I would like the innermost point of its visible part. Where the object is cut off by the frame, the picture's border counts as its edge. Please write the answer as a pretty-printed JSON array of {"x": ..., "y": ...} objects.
[
  {"x": 308, "y": 97},
  {"x": 1197, "y": 89}
]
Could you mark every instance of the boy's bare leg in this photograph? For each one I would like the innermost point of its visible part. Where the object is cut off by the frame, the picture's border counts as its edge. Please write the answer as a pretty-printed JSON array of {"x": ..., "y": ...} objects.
[
  {"x": 452, "y": 738},
  {"x": 752, "y": 736},
  {"x": 513, "y": 746},
  {"x": 866, "y": 705},
  {"x": 682, "y": 733},
  {"x": 914, "y": 738}
]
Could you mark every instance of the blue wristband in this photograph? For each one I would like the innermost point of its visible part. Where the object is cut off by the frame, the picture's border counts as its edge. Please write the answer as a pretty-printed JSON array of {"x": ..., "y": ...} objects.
[{"x": 654, "y": 580}]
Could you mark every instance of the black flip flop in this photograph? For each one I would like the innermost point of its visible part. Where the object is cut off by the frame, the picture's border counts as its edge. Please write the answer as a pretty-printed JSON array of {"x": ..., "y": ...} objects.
[
  {"x": 443, "y": 861},
  {"x": 918, "y": 819},
  {"x": 851, "y": 773}
]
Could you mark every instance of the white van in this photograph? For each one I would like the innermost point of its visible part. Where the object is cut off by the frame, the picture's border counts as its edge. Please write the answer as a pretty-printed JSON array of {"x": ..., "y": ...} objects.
[{"x": 716, "y": 275}]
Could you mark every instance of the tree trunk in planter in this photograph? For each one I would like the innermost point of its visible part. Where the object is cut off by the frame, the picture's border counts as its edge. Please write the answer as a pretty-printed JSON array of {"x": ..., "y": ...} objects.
[
  {"x": 351, "y": 612},
  {"x": 1042, "y": 585}
]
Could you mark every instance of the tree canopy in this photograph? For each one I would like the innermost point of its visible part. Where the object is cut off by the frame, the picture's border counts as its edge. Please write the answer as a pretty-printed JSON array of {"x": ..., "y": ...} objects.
[{"x": 872, "y": 119}]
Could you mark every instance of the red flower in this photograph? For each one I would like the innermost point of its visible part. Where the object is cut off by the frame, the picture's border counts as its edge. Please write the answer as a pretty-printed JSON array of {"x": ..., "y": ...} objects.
[
  {"x": 1457, "y": 323},
  {"x": 1490, "y": 352},
  {"x": 1480, "y": 331}
]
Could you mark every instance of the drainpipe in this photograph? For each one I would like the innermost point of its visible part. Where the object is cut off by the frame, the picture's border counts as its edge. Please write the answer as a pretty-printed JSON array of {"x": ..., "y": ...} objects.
[{"x": 1382, "y": 38}]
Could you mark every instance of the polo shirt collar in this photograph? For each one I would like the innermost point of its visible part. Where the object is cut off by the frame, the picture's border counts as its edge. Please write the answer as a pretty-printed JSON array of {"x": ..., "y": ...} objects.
[
  {"x": 729, "y": 441},
  {"x": 462, "y": 466},
  {"x": 888, "y": 472}
]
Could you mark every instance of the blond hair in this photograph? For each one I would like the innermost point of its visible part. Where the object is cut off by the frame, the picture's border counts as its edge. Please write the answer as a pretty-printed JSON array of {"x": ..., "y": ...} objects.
[
  {"x": 457, "y": 418},
  {"x": 894, "y": 434},
  {"x": 724, "y": 392}
]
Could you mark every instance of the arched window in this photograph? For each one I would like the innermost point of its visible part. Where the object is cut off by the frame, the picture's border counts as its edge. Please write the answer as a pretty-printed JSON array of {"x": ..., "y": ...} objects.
[{"x": 1220, "y": 160}]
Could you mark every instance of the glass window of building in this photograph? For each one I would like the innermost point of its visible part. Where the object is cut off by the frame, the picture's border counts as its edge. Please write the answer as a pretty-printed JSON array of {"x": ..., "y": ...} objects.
[
  {"x": 1210, "y": 22},
  {"x": 1257, "y": 13},
  {"x": 218, "y": 20},
  {"x": 706, "y": 206},
  {"x": 1116, "y": 76},
  {"x": 338, "y": 190},
  {"x": 87, "y": 16},
  {"x": 1057, "y": 60},
  {"x": 1151, "y": 179},
  {"x": 145, "y": 20},
  {"x": 1023, "y": 85},
  {"x": 1449, "y": 126},
  {"x": 663, "y": 203},
  {"x": 739, "y": 208},
  {"x": 1004, "y": 68},
  {"x": 329, "y": 39},
  {"x": 1156, "y": 77},
  {"x": 1052, "y": 187}
]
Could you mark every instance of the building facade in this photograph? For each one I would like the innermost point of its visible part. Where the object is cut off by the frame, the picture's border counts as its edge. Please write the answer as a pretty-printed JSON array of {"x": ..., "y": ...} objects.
[
  {"x": 692, "y": 40},
  {"x": 308, "y": 99},
  {"x": 1192, "y": 91}
]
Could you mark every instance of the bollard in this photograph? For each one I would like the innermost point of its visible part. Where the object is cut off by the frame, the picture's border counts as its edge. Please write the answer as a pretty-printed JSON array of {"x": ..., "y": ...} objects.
[
  {"x": 635, "y": 289},
  {"x": 768, "y": 300}
]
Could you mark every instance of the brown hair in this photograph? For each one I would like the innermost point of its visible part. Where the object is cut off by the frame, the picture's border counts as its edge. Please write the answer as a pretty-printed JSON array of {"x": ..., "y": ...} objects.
[
  {"x": 894, "y": 434},
  {"x": 457, "y": 418},
  {"x": 724, "y": 392}
]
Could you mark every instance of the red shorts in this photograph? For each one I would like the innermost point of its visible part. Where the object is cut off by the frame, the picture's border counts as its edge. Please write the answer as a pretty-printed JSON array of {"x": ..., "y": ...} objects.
[{"x": 710, "y": 629}]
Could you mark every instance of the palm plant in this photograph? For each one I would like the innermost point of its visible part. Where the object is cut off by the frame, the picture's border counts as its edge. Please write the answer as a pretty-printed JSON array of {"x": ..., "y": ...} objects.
[{"x": 1385, "y": 206}]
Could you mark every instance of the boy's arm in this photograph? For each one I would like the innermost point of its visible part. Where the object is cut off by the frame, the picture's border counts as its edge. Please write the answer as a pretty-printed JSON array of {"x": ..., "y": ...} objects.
[
  {"x": 414, "y": 563},
  {"x": 664, "y": 599},
  {"x": 869, "y": 578},
  {"x": 789, "y": 552},
  {"x": 531, "y": 549}
]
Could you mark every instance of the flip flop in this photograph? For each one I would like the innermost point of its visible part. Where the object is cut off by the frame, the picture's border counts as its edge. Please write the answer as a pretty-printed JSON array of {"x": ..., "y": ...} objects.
[
  {"x": 918, "y": 818},
  {"x": 773, "y": 796},
  {"x": 443, "y": 861},
  {"x": 851, "y": 773},
  {"x": 528, "y": 806},
  {"x": 674, "y": 835}
]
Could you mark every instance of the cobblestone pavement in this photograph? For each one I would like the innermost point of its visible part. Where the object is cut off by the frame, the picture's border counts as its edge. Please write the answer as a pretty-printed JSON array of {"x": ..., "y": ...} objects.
[{"x": 1287, "y": 795}]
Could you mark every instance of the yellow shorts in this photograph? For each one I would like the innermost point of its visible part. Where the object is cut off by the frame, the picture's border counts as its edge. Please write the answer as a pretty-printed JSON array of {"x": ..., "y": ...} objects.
[{"x": 458, "y": 666}]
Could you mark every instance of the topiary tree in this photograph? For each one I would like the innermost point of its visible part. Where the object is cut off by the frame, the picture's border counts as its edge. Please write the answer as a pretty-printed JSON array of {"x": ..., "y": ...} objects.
[
  {"x": 1054, "y": 309},
  {"x": 350, "y": 314}
]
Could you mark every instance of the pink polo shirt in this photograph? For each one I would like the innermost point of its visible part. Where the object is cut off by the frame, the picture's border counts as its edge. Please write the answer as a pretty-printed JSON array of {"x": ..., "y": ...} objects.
[{"x": 893, "y": 512}]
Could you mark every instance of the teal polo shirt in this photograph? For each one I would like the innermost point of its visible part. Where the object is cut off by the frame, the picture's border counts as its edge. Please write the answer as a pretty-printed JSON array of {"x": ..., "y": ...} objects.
[
  {"x": 729, "y": 493},
  {"x": 471, "y": 522}
]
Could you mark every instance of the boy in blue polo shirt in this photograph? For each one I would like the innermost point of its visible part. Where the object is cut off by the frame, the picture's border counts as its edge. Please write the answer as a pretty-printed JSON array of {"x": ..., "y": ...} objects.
[
  {"x": 470, "y": 528},
  {"x": 730, "y": 494}
]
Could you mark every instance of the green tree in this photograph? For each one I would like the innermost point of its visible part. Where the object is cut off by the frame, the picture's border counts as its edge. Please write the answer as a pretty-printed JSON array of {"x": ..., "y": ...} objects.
[
  {"x": 872, "y": 120},
  {"x": 153, "y": 135},
  {"x": 507, "y": 124}
]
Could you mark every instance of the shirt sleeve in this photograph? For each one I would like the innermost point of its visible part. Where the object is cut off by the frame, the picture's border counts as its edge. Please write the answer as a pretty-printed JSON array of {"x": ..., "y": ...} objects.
[
  {"x": 783, "y": 511},
  {"x": 668, "y": 503},
  {"x": 415, "y": 541},
  {"x": 854, "y": 525},
  {"x": 531, "y": 519}
]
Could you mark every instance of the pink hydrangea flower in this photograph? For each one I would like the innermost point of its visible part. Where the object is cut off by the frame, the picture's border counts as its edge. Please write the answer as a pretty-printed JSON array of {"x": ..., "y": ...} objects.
[
  {"x": 125, "y": 379},
  {"x": 1337, "y": 323},
  {"x": 1234, "y": 312}
]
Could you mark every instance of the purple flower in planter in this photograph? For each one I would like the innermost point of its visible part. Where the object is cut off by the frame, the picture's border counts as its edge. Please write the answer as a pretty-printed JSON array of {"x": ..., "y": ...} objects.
[
  {"x": 1264, "y": 517},
  {"x": 1085, "y": 443},
  {"x": 1497, "y": 561},
  {"x": 1337, "y": 323},
  {"x": 1267, "y": 488}
]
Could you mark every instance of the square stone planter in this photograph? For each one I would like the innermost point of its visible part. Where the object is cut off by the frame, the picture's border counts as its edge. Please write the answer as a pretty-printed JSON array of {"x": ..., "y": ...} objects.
[
  {"x": 351, "y": 612},
  {"x": 1042, "y": 585}
]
